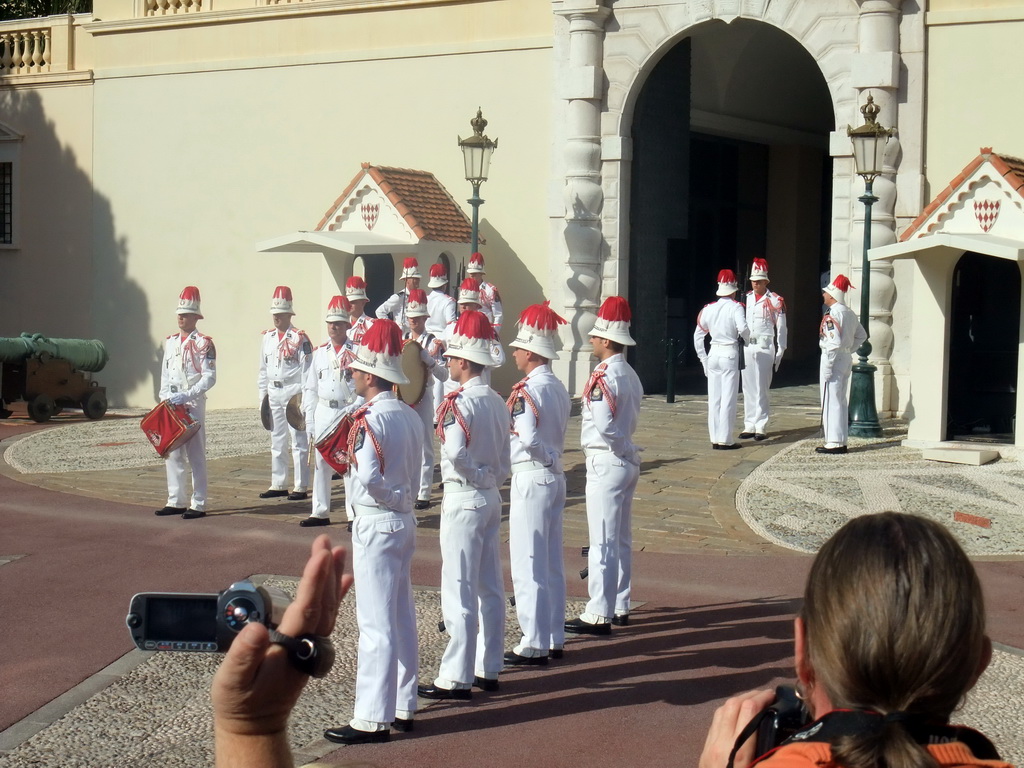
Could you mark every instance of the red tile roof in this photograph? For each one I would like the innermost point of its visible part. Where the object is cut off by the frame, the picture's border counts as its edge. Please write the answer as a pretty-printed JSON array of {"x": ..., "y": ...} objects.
[
  {"x": 1010, "y": 168},
  {"x": 419, "y": 198}
]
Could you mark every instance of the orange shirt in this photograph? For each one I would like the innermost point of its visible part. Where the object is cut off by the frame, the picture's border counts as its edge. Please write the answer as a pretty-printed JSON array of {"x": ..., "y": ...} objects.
[{"x": 953, "y": 755}]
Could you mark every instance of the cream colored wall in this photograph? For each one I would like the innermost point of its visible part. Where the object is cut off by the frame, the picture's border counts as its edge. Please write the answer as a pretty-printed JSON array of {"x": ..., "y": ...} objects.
[{"x": 193, "y": 169}]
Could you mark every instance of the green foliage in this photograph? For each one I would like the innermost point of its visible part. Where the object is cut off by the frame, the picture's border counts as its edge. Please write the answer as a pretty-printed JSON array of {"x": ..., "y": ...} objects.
[{"x": 30, "y": 9}]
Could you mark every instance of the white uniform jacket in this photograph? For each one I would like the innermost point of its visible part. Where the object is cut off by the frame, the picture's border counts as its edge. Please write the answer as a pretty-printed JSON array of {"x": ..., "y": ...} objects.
[
  {"x": 539, "y": 407},
  {"x": 611, "y": 407},
  {"x": 490, "y": 304},
  {"x": 441, "y": 309},
  {"x": 766, "y": 319},
  {"x": 840, "y": 334},
  {"x": 385, "y": 444},
  {"x": 473, "y": 429},
  {"x": 725, "y": 321},
  {"x": 326, "y": 393},
  {"x": 189, "y": 366},
  {"x": 284, "y": 360},
  {"x": 395, "y": 308}
]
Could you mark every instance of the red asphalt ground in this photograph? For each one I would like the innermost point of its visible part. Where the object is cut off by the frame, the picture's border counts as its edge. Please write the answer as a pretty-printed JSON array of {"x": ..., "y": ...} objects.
[{"x": 710, "y": 626}]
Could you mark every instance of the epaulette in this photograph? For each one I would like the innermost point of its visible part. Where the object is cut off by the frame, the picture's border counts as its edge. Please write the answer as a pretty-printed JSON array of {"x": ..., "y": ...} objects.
[
  {"x": 172, "y": 335},
  {"x": 737, "y": 302},
  {"x": 710, "y": 304},
  {"x": 324, "y": 345}
]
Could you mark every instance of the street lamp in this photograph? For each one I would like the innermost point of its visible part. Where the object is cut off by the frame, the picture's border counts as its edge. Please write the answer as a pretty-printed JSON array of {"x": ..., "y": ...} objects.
[
  {"x": 869, "y": 142},
  {"x": 476, "y": 153}
]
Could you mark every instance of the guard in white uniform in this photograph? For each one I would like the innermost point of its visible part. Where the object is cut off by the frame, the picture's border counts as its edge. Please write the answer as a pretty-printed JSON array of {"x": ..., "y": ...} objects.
[
  {"x": 397, "y": 305},
  {"x": 384, "y": 448},
  {"x": 442, "y": 312},
  {"x": 285, "y": 353},
  {"x": 539, "y": 409},
  {"x": 326, "y": 397},
  {"x": 187, "y": 373},
  {"x": 766, "y": 319},
  {"x": 434, "y": 362},
  {"x": 611, "y": 407},
  {"x": 472, "y": 424},
  {"x": 726, "y": 322},
  {"x": 840, "y": 335},
  {"x": 490, "y": 299},
  {"x": 359, "y": 324},
  {"x": 469, "y": 301}
]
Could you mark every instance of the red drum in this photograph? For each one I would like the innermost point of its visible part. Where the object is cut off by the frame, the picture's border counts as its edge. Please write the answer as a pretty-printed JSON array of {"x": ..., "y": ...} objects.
[
  {"x": 334, "y": 447},
  {"x": 169, "y": 426}
]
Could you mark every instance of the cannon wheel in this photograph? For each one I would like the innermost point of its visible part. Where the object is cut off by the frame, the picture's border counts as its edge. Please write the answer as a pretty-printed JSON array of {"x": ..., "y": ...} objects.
[
  {"x": 94, "y": 405},
  {"x": 41, "y": 408}
]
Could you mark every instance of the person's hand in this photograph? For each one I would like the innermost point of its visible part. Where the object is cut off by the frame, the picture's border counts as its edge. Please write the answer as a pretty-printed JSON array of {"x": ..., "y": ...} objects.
[
  {"x": 827, "y": 374},
  {"x": 704, "y": 364},
  {"x": 778, "y": 359},
  {"x": 179, "y": 398},
  {"x": 256, "y": 686},
  {"x": 729, "y": 720}
]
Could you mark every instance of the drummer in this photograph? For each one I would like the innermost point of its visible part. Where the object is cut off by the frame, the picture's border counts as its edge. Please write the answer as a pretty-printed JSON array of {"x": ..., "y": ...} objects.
[
  {"x": 326, "y": 398},
  {"x": 433, "y": 363}
]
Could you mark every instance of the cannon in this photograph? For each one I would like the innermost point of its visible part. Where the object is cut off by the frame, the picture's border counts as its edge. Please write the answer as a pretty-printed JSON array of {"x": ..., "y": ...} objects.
[{"x": 48, "y": 375}]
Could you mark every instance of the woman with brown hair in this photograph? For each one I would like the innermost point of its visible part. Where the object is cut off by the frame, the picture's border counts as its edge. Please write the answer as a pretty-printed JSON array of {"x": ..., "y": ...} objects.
[{"x": 890, "y": 639}]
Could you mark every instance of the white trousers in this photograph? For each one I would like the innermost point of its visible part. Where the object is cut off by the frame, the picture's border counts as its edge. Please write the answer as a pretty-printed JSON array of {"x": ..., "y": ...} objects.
[
  {"x": 757, "y": 380},
  {"x": 835, "y": 400},
  {"x": 425, "y": 410},
  {"x": 611, "y": 483},
  {"x": 195, "y": 451},
  {"x": 322, "y": 470},
  {"x": 535, "y": 551},
  {"x": 723, "y": 387},
  {"x": 388, "y": 661},
  {"x": 472, "y": 597},
  {"x": 279, "y": 437}
]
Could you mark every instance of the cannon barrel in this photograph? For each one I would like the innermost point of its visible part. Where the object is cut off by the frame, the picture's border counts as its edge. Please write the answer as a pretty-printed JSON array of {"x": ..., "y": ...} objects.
[{"x": 84, "y": 354}]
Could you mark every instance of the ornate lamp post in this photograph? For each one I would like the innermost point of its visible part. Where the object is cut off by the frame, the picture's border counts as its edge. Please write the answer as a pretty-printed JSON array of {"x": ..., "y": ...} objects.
[
  {"x": 869, "y": 142},
  {"x": 476, "y": 153}
]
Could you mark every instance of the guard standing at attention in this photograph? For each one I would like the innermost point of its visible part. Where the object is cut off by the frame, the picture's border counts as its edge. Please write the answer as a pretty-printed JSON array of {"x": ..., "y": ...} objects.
[
  {"x": 539, "y": 409},
  {"x": 472, "y": 424},
  {"x": 285, "y": 354},
  {"x": 726, "y": 322},
  {"x": 384, "y": 450},
  {"x": 840, "y": 335},
  {"x": 326, "y": 397},
  {"x": 442, "y": 310},
  {"x": 187, "y": 373},
  {"x": 398, "y": 304},
  {"x": 766, "y": 319},
  {"x": 490, "y": 299},
  {"x": 433, "y": 361},
  {"x": 611, "y": 407},
  {"x": 355, "y": 292}
]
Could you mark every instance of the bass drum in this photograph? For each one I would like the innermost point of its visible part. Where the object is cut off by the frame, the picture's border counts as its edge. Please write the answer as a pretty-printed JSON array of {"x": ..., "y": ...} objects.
[
  {"x": 334, "y": 445},
  {"x": 415, "y": 371}
]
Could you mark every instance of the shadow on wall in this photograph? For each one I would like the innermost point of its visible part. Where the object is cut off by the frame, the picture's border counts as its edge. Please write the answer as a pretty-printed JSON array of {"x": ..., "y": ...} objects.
[{"x": 67, "y": 276}]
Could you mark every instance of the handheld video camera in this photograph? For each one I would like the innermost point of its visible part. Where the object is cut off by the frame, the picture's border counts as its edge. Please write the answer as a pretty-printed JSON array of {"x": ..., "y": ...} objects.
[
  {"x": 775, "y": 723},
  {"x": 170, "y": 621}
]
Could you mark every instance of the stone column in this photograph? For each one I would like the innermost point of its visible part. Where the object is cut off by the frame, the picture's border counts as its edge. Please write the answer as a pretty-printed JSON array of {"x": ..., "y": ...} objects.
[
  {"x": 581, "y": 86},
  {"x": 876, "y": 69}
]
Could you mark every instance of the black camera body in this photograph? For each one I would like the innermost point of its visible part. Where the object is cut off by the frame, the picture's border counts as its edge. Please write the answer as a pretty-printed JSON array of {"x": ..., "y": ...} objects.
[
  {"x": 204, "y": 622},
  {"x": 781, "y": 719}
]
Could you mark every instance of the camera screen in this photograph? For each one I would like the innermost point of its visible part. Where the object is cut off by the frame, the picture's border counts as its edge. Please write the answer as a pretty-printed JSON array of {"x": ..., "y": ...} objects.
[{"x": 185, "y": 618}]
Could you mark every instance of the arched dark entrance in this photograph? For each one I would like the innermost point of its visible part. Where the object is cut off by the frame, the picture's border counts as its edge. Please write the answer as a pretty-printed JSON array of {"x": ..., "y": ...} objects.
[
  {"x": 984, "y": 337},
  {"x": 378, "y": 270},
  {"x": 730, "y": 162}
]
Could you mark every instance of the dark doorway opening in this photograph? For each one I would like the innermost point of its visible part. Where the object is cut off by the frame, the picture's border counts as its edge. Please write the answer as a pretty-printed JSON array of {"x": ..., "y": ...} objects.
[
  {"x": 984, "y": 337},
  {"x": 379, "y": 273}
]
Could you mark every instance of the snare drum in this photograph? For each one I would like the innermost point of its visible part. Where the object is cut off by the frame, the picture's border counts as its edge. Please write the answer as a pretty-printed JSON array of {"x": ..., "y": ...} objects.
[
  {"x": 169, "y": 426},
  {"x": 334, "y": 447}
]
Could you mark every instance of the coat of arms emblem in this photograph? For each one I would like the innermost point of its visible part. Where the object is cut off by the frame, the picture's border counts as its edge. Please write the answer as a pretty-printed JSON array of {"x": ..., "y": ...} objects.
[
  {"x": 370, "y": 212},
  {"x": 986, "y": 211}
]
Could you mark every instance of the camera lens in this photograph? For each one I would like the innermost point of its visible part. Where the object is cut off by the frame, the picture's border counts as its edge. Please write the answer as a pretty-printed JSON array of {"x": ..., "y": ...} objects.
[{"x": 240, "y": 612}]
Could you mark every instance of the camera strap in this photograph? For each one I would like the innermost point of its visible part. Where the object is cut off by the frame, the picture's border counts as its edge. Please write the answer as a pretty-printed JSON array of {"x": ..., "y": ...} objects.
[
  {"x": 310, "y": 654},
  {"x": 849, "y": 722}
]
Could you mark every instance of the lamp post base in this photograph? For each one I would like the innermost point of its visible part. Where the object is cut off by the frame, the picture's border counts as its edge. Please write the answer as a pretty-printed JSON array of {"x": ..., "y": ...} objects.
[{"x": 863, "y": 414}]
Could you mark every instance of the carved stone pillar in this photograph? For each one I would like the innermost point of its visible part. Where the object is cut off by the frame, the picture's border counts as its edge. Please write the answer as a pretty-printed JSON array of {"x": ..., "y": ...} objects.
[
  {"x": 876, "y": 70},
  {"x": 582, "y": 89}
]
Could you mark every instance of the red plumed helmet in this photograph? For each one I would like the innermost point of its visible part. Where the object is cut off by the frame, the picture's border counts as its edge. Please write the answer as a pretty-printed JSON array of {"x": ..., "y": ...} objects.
[
  {"x": 542, "y": 317},
  {"x": 538, "y": 330},
  {"x": 469, "y": 291},
  {"x": 338, "y": 309},
  {"x": 438, "y": 270},
  {"x": 615, "y": 309},
  {"x": 410, "y": 268},
  {"x": 188, "y": 302},
  {"x": 417, "y": 296},
  {"x": 727, "y": 276},
  {"x": 471, "y": 338},
  {"x": 282, "y": 301},
  {"x": 842, "y": 282},
  {"x": 383, "y": 336},
  {"x": 476, "y": 263},
  {"x": 759, "y": 269},
  {"x": 613, "y": 321},
  {"x": 380, "y": 352},
  {"x": 355, "y": 288}
]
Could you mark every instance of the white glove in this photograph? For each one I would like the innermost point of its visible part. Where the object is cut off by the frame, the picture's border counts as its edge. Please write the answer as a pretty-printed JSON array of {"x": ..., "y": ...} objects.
[
  {"x": 827, "y": 373},
  {"x": 704, "y": 363},
  {"x": 179, "y": 398},
  {"x": 778, "y": 359}
]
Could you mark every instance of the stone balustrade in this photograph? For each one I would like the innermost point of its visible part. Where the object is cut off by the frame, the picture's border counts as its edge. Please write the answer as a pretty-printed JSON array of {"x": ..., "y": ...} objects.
[
  {"x": 25, "y": 51},
  {"x": 164, "y": 7}
]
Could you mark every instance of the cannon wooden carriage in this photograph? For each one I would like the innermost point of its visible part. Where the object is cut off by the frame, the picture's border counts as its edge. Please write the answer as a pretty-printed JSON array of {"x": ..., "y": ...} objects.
[{"x": 51, "y": 374}]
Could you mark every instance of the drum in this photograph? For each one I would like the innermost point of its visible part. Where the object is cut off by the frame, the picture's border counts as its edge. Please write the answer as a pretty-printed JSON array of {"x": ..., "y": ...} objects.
[
  {"x": 334, "y": 446},
  {"x": 415, "y": 371},
  {"x": 169, "y": 426},
  {"x": 293, "y": 413}
]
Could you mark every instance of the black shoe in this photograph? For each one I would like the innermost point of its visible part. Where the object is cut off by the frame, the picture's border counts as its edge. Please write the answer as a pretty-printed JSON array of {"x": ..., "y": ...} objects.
[
  {"x": 335, "y": 476},
  {"x": 823, "y": 449},
  {"x": 272, "y": 494},
  {"x": 746, "y": 435},
  {"x": 313, "y": 522},
  {"x": 403, "y": 726},
  {"x": 513, "y": 659},
  {"x": 421, "y": 504},
  {"x": 621, "y": 621},
  {"x": 441, "y": 694},
  {"x": 169, "y": 511},
  {"x": 580, "y": 627},
  {"x": 350, "y": 526},
  {"x": 730, "y": 447},
  {"x": 349, "y": 735},
  {"x": 760, "y": 436},
  {"x": 556, "y": 653},
  {"x": 485, "y": 684},
  {"x": 192, "y": 514},
  {"x": 440, "y": 486},
  {"x": 298, "y": 496}
]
